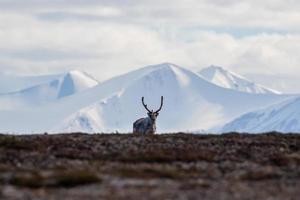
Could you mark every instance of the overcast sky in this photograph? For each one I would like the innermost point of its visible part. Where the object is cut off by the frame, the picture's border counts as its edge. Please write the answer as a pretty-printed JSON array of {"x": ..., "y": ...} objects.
[{"x": 259, "y": 39}]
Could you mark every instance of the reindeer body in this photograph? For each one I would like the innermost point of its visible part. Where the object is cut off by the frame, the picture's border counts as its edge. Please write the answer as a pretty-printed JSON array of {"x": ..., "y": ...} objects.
[
  {"x": 144, "y": 126},
  {"x": 147, "y": 125}
]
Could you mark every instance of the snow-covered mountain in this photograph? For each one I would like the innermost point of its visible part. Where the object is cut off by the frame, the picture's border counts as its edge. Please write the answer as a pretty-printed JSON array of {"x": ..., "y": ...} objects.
[
  {"x": 61, "y": 86},
  {"x": 231, "y": 80},
  {"x": 190, "y": 103},
  {"x": 283, "y": 117}
]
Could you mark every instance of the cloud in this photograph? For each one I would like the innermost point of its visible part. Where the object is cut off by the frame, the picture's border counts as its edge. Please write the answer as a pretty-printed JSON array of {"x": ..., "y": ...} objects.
[
  {"x": 271, "y": 14},
  {"x": 107, "y": 38}
]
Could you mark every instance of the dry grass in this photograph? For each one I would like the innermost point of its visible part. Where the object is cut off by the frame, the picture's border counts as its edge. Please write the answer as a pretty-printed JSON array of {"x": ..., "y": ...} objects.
[{"x": 170, "y": 166}]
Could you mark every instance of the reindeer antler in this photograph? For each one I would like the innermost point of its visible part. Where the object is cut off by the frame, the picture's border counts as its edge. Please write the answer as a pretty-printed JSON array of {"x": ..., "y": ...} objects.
[
  {"x": 145, "y": 105},
  {"x": 161, "y": 104}
]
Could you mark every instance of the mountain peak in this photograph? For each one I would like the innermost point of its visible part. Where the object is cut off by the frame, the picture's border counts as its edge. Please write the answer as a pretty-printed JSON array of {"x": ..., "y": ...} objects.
[
  {"x": 169, "y": 72},
  {"x": 75, "y": 81},
  {"x": 74, "y": 73},
  {"x": 216, "y": 67},
  {"x": 164, "y": 66},
  {"x": 79, "y": 73},
  {"x": 228, "y": 79}
]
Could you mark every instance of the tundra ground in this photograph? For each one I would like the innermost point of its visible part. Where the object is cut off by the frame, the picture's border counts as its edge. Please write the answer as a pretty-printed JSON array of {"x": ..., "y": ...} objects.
[{"x": 168, "y": 166}]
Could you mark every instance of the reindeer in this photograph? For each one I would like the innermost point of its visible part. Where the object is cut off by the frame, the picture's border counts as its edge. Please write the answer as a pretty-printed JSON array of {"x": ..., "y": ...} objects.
[{"x": 147, "y": 125}]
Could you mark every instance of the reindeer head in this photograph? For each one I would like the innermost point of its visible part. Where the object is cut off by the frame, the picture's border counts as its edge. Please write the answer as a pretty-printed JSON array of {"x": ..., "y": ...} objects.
[{"x": 153, "y": 115}]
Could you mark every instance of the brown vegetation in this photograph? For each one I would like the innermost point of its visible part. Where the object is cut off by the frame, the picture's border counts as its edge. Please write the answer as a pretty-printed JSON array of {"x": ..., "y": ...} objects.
[{"x": 168, "y": 166}]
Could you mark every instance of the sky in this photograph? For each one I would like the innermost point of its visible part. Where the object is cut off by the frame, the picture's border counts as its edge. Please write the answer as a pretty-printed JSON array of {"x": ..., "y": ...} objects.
[{"x": 258, "y": 39}]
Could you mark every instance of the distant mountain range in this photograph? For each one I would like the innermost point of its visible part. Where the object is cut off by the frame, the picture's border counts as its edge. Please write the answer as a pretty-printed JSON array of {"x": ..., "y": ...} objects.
[{"x": 75, "y": 101}]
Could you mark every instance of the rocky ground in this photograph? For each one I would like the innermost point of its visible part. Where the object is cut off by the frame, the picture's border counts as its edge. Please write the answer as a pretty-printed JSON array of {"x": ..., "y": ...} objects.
[{"x": 169, "y": 166}]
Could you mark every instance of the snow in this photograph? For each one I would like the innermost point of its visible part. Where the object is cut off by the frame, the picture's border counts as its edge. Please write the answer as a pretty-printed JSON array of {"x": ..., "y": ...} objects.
[
  {"x": 283, "y": 117},
  {"x": 231, "y": 80},
  {"x": 87, "y": 120},
  {"x": 191, "y": 103}
]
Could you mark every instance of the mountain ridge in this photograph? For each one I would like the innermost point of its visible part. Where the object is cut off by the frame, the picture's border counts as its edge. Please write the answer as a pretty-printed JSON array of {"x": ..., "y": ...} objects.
[
  {"x": 282, "y": 117},
  {"x": 189, "y": 92},
  {"x": 231, "y": 80}
]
